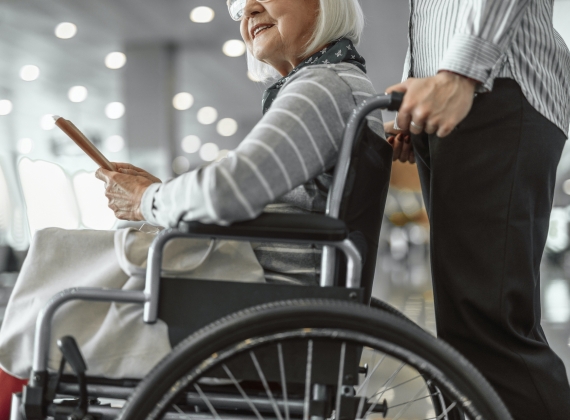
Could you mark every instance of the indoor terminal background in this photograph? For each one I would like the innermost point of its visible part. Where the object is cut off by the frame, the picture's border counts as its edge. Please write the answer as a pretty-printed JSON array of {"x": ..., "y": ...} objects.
[{"x": 164, "y": 85}]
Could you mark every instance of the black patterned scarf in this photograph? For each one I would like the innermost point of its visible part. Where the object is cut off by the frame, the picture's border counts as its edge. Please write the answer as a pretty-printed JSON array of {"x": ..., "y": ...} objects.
[{"x": 341, "y": 51}]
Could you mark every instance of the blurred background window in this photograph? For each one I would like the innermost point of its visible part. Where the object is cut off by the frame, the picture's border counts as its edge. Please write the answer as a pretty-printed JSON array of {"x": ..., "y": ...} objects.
[{"x": 49, "y": 196}]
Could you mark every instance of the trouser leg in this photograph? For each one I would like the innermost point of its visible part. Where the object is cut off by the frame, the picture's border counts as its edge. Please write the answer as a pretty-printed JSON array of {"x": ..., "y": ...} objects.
[{"x": 488, "y": 189}]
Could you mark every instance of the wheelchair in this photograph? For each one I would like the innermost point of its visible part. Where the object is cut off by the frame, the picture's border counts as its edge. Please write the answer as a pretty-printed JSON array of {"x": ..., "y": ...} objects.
[{"x": 276, "y": 351}]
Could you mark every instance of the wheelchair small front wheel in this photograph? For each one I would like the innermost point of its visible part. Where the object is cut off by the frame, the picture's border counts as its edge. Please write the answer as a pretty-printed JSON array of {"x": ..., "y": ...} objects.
[{"x": 313, "y": 360}]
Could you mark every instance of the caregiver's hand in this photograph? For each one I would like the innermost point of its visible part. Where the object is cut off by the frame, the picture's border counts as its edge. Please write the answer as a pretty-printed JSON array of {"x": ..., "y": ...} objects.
[
  {"x": 124, "y": 189},
  {"x": 434, "y": 104}
]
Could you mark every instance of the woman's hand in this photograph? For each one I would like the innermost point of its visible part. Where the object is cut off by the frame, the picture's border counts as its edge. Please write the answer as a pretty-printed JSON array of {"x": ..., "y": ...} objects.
[
  {"x": 124, "y": 189},
  {"x": 128, "y": 169},
  {"x": 401, "y": 143},
  {"x": 435, "y": 104}
]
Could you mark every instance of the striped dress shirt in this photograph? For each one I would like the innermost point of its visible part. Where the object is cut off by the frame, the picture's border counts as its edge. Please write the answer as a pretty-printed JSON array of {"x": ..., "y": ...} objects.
[
  {"x": 489, "y": 39},
  {"x": 283, "y": 165}
]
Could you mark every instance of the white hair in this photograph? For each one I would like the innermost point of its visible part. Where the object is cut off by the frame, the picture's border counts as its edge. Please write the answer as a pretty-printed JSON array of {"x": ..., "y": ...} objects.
[{"x": 337, "y": 19}]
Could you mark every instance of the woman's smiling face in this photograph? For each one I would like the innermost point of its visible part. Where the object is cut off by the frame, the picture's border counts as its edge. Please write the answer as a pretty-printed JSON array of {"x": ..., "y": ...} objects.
[{"x": 277, "y": 31}]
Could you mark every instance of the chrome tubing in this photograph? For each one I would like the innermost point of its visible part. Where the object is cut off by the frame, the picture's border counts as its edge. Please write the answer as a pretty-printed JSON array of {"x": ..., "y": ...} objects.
[
  {"x": 15, "y": 413},
  {"x": 152, "y": 286},
  {"x": 42, "y": 337}
]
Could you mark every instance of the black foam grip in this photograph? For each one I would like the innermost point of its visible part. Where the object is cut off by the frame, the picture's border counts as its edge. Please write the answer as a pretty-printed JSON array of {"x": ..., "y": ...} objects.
[
  {"x": 304, "y": 227},
  {"x": 396, "y": 102},
  {"x": 70, "y": 350}
]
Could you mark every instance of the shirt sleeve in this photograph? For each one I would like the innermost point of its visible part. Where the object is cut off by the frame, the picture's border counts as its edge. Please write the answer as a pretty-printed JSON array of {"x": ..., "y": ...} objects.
[
  {"x": 295, "y": 141},
  {"x": 483, "y": 33}
]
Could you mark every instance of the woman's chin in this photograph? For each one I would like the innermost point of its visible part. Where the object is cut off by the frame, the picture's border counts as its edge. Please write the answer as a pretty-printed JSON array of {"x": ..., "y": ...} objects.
[{"x": 263, "y": 49}]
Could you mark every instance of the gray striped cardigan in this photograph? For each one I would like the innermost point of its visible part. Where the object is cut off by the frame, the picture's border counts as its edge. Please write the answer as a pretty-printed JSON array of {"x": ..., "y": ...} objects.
[{"x": 282, "y": 165}]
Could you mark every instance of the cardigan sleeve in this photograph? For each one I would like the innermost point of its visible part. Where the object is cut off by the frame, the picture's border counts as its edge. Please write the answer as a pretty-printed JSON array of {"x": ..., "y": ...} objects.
[{"x": 298, "y": 139}]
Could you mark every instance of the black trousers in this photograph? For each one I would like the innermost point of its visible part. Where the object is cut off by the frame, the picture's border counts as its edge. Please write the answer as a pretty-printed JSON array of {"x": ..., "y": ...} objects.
[{"x": 488, "y": 189}]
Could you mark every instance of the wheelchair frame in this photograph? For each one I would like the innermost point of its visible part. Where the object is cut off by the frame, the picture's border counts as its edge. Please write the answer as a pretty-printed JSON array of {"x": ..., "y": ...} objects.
[{"x": 324, "y": 230}]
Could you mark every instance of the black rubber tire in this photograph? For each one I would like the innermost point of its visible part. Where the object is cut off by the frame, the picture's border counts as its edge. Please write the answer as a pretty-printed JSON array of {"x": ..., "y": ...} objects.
[
  {"x": 383, "y": 306},
  {"x": 306, "y": 313}
]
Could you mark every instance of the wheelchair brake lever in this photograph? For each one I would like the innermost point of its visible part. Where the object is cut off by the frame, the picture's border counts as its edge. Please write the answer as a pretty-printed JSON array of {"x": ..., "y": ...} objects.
[
  {"x": 70, "y": 350},
  {"x": 72, "y": 355}
]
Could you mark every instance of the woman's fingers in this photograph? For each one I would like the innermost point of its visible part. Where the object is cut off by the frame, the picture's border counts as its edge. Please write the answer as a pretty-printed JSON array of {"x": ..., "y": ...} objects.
[
  {"x": 430, "y": 128},
  {"x": 435, "y": 104},
  {"x": 404, "y": 117},
  {"x": 402, "y": 147},
  {"x": 103, "y": 175},
  {"x": 124, "y": 191},
  {"x": 397, "y": 146},
  {"x": 399, "y": 87},
  {"x": 406, "y": 150},
  {"x": 128, "y": 169}
]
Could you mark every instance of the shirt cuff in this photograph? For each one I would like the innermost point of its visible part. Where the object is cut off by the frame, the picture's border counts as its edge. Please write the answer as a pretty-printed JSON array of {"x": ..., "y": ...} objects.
[
  {"x": 147, "y": 204},
  {"x": 471, "y": 56}
]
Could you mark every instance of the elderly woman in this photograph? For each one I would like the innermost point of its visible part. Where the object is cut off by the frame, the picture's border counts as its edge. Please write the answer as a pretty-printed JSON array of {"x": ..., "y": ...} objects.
[{"x": 283, "y": 165}]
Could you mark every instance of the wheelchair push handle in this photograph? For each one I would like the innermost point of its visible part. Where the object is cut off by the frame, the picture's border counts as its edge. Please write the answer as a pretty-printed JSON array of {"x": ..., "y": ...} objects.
[{"x": 396, "y": 99}]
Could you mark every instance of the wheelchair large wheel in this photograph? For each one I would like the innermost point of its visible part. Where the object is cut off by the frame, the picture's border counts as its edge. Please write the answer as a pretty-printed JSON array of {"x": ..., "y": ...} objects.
[{"x": 313, "y": 359}]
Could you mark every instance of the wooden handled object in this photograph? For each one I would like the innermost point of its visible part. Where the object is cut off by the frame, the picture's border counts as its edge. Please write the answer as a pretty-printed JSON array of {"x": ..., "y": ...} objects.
[{"x": 83, "y": 142}]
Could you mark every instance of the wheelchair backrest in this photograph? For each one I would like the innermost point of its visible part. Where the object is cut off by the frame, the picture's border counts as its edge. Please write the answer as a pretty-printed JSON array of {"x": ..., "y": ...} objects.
[{"x": 363, "y": 201}]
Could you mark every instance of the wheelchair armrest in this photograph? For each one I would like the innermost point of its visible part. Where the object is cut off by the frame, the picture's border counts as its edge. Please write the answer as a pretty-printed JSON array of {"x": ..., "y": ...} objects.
[
  {"x": 275, "y": 226},
  {"x": 269, "y": 227}
]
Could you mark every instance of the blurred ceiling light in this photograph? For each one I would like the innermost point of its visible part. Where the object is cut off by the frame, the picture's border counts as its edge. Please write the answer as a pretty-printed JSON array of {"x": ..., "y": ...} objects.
[
  {"x": 115, "y": 60},
  {"x": 5, "y": 203},
  {"x": 191, "y": 144},
  {"x": 115, "y": 110},
  {"x": 557, "y": 239},
  {"x": 557, "y": 301},
  {"x": 114, "y": 143},
  {"x": 252, "y": 77},
  {"x": 222, "y": 154},
  {"x": 29, "y": 73},
  {"x": 47, "y": 122},
  {"x": 5, "y": 107},
  {"x": 234, "y": 48},
  {"x": 209, "y": 152},
  {"x": 77, "y": 94},
  {"x": 93, "y": 205},
  {"x": 207, "y": 115},
  {"x": 65, "y": 30},
  {"x": 202, "y": 14},
  {"x": 418, "y": 235},
  {"x": 25, "y": 146},
  {"x": 227, "y": 127},
  {"x": 566, "y": 186},
  {"x": 183, "y": 101},
  {"x": 180, "y": 165},
  {"x": 398, "y": 243}
]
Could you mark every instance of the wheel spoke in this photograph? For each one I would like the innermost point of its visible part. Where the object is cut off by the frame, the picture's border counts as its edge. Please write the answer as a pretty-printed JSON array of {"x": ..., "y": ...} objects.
[
  {"x": 308, "y": 380},
  {"x": 447, "y": 410},
  {"x": 396, "y": 386},
  {"x": 283, "y": 379},
  {"x": 223, "y": 387},
  {"x": 387, "y": 383},
  {"x": 340, "y": 377},
  {"x": 207, "y": 402},
  {"x": 265, "y": 385},
  {"x": 367, "y": 379},
  {"x": 407, "y": 403},
  {"x": 242, "y": 392}
]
